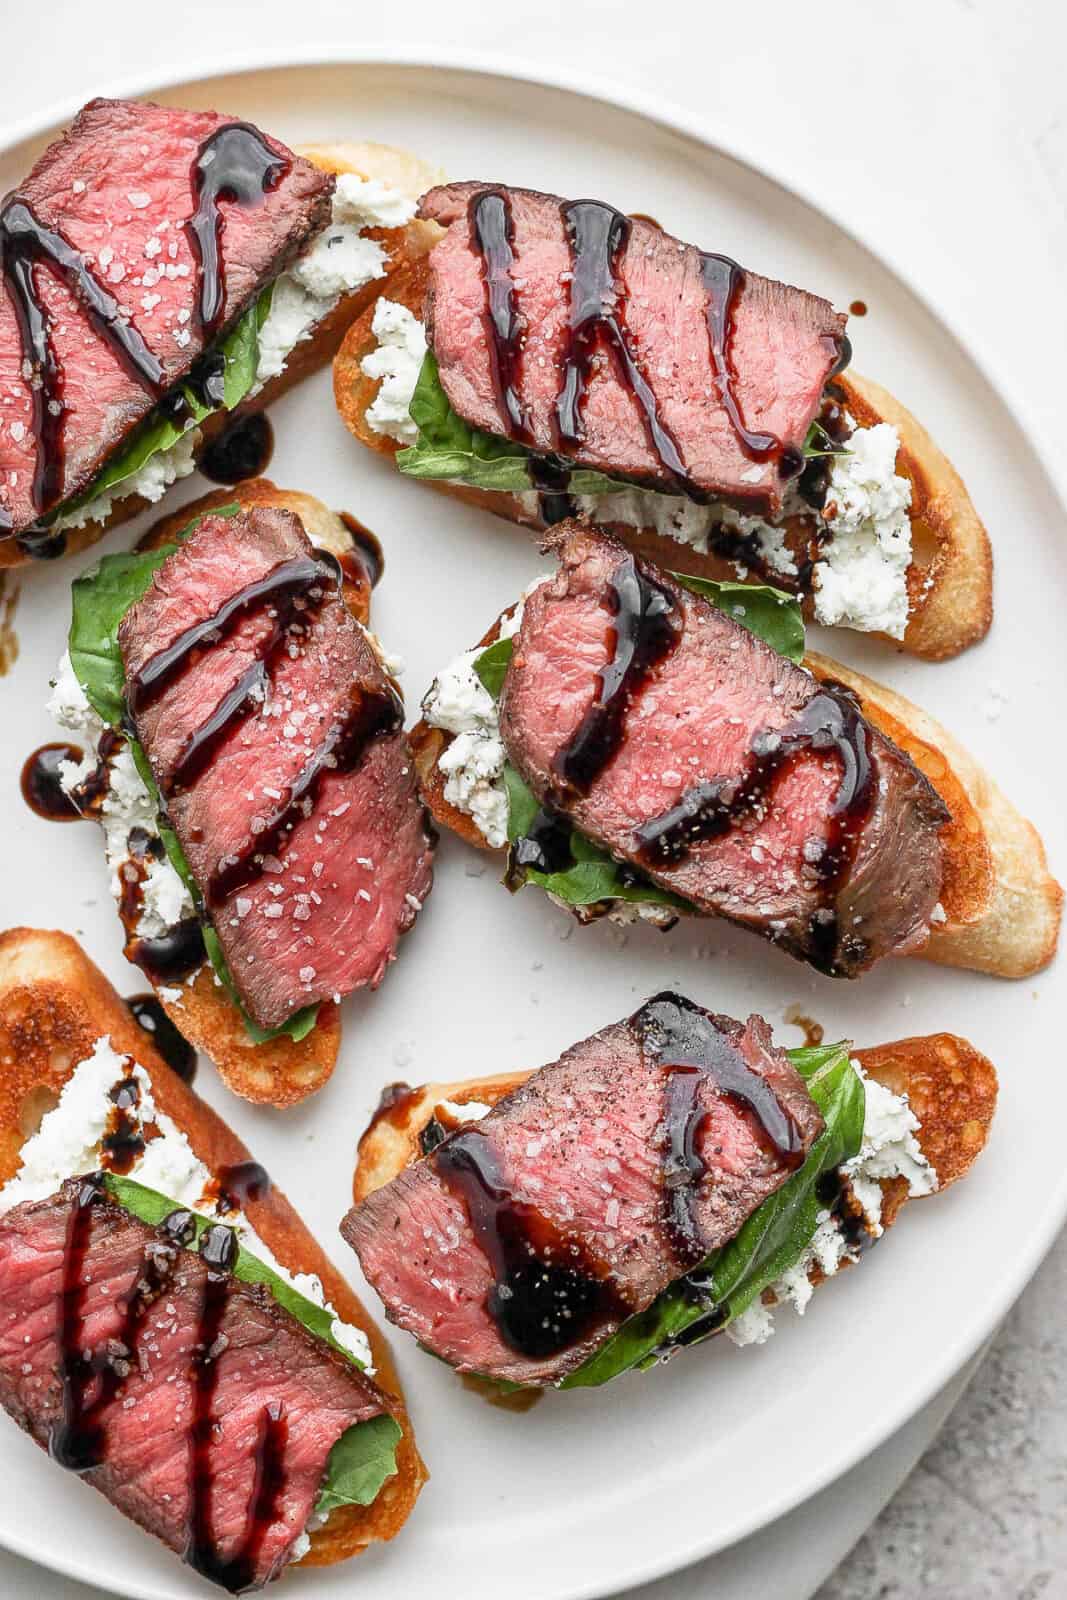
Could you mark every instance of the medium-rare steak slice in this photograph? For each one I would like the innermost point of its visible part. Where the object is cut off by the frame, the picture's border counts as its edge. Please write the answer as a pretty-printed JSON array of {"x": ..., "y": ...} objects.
[
  {"x": 574, "y": 329},
  {"x": 133, "y": 244},
  {"x": 675, "y": 738},
  {"x": 519, "y": 1245},
  {"x": 193, "y": 1401},
  {"x": 273, "y": 734}
]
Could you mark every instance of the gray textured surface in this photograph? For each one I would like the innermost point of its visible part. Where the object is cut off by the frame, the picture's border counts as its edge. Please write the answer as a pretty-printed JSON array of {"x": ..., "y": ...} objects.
[{"x": 984, "y": 1514}]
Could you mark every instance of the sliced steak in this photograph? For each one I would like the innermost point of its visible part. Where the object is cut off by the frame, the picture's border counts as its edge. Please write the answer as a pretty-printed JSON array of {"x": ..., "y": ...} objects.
[
  {"x": 574, "y": 329},
  {"x": 519, "y": 1245},
  {"x": 274, "y": 737},
  {"x": 118, "y": 193},
  {"x": 194, "y": 1402},
  {"x": 675, "y": 738}
]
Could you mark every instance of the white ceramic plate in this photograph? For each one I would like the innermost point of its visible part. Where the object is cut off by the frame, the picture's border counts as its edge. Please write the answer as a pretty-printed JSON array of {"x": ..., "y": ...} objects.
[{"x": 596, "y": 1490}]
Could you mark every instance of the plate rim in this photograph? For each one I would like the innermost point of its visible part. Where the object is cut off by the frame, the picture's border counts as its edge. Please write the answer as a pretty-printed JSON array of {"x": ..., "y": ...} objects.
[{"x": 619, "y": 96}]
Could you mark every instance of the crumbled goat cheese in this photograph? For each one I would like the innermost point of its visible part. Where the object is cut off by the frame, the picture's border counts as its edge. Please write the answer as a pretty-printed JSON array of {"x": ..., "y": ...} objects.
[
  {"x": 338, "y": 261},
  {"x": 127, "y": 805},
  {"x": 473, "y": 762},
  {"x": 67, "y": 1144},
  {"x": 861, "y": 576},
  {"x": 469, "y": 1111},
  {"x": 395, "y": 363},
  {"x": 151, "y": 481},
  {"x": 889, "y": 1150}
]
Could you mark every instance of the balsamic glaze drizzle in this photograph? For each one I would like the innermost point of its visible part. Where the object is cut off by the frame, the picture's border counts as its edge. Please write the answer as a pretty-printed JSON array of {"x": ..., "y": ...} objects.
[
  {"x": 26, "y": 244},
  {"x": 235, "y": 1185},
  {"x": 831, "y": 721},
  {"x": 646, "y": 629},
  {"x": 598, "y": 235},
  {"x": 690, "y": 1049},
  {"x": 547, "y": 1294},
  {"x": 299, "y": 575},
  {"x": 234, "y": 164},
  {"x": 724, "y": 280},
  {"x": 491, "y": 230}
]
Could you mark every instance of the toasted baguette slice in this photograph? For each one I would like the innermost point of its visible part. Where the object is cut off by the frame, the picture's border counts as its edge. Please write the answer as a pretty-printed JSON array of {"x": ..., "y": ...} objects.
[
  {"x": 951, "y": 1086},
  {"x": 281, "y": 1071},
  {"x": 950, "y": 580},
  {"x": 1002, "y": 907},
  {"x": 403, "y": 246},
  {"x": 54, "y": 1006}
]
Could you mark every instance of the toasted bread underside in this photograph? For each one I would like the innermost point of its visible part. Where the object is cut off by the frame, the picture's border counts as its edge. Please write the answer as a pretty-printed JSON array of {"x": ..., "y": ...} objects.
[
  {"x": 402, "y": 246},
  {"x": 950, "y": 579},
  {"x": 1002, "y": 907},
  {"x": 951, "y": 1086},
  {"x": 54, "y": 1006}
]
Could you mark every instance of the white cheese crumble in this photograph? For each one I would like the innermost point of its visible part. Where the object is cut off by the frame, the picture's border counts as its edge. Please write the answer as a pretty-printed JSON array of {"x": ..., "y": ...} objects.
[
  {"x": 395, "y": 363},
  {"x": 861, "y": 577},
  {"x": 889, "y": 1150},
  {"x": 473, "y": 762},
  {"x": 126, "y": 805},
  {"x": 337, "y": 261},
  {"x": 67, "y": 1145},
  {"x": 151, "y": 481}
]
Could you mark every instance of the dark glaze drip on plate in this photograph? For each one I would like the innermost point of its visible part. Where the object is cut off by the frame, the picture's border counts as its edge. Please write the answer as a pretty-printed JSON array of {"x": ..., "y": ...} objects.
[
  {"x": 689, "y": 1049},
  {"x": 232, "y": 1186},
  {"x": 645, "y": 629},
  {"x": 234, "y": 164},
  {"x": 546, "y": 1295},
  {"x": 366, "y": 551},
  {"x": 491, "y": 230},
  {"x": 241, "y": 450},
  {"x": 27, "y": 245},
  {"x": 831, "y": 721},
  {"x": 40, "y": 782},
  {"x": 148, "y": 1013}
]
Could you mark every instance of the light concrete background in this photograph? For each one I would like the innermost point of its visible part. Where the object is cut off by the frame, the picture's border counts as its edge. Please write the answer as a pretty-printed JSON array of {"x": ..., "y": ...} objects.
[{"x": 939, "y": 128}]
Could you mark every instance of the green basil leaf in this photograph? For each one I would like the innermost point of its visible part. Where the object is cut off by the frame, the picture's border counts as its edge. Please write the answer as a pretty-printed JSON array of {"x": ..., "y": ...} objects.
[
  {"x": 771, "y": 614},
  {"x": 450, "y": 449},
  {"x": 101, "y": 598},
  {"x": 492, "y": 666},
  {"x": 365, "y": 1455},
  {"x": 772, "y": 1239},
  {"x": 359, "y": 1464},
  {"x": 593, "y": 874}
]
